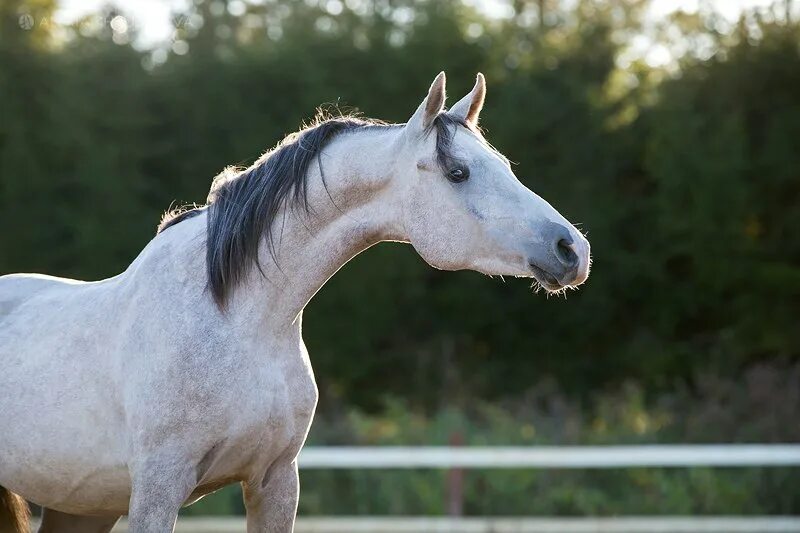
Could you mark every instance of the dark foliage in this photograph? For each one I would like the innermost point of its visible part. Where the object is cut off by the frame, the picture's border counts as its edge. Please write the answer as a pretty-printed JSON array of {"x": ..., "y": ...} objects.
[{"x": 686, "y": 183}]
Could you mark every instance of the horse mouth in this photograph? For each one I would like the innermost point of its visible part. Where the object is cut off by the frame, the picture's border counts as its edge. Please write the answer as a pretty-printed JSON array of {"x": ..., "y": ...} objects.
[{"x": 547, "y": 280}]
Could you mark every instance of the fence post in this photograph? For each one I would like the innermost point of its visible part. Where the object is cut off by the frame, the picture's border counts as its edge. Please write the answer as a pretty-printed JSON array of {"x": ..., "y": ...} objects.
[{"x": 455, "y": 481}]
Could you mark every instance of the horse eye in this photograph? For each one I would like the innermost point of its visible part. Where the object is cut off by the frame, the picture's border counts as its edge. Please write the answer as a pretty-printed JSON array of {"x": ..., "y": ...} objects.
[{"x": 458, "y": 174}]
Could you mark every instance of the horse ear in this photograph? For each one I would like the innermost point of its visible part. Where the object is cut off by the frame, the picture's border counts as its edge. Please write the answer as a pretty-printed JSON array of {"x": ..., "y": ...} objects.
[
  {"x": 431, "y": 106},
  {"x": 469, "y": 107}
]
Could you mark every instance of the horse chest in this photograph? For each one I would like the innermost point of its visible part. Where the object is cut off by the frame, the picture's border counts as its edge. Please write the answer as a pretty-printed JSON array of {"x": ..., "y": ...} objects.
[
  {"x": 284, "y": 402},
  {"x": 270, "y": 418}
]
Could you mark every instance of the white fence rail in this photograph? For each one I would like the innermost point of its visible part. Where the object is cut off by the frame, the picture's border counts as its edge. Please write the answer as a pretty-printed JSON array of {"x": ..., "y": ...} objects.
[
  {"x": 404, "y": 524},
  {"x": 551, "y": 457},
  {"x": 456, "y": 458}
]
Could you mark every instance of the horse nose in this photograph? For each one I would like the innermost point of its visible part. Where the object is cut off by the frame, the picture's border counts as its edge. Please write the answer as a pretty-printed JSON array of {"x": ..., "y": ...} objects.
[{"x": 563, "y": 247}]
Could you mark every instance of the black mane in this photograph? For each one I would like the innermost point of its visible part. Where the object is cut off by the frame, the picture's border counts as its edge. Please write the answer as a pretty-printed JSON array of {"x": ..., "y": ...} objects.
[{"x": 242, "y": 204}]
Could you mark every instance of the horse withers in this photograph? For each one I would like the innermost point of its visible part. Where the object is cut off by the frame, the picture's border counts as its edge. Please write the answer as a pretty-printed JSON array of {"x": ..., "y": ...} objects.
[{"x": 141, "y": 393}]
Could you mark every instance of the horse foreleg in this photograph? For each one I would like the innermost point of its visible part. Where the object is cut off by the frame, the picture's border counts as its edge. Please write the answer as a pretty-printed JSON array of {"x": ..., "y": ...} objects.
[
  {"x": 271, "y": 502},
  {"x": 57, "y": 522},
  {"x": 158, "y": 490}
]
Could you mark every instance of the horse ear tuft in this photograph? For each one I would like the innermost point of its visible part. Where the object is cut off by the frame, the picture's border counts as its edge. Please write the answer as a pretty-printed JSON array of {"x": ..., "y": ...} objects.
[
  {"x": 469, "y": 107},
  {"x": 432, "y": 105}
]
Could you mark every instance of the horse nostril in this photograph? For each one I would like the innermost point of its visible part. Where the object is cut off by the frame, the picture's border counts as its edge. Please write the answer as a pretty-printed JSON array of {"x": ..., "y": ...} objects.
[{"x": 566, "y": 255}]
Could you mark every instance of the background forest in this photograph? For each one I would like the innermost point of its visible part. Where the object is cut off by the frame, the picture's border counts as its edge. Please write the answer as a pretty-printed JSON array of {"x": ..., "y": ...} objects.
[{"x": 684, "y": 173}]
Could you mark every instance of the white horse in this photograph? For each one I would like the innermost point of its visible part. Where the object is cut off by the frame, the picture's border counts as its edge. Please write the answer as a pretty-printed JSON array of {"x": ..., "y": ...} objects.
[{"x": 141, "y": 393}]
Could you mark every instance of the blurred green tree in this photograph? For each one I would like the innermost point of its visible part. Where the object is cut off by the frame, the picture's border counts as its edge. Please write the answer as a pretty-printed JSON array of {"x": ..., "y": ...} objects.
[{"x": 685, "y": 178}]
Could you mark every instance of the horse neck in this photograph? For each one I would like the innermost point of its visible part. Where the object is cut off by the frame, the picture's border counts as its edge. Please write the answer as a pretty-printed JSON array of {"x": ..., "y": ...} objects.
[{"x": 353, "y": 210}]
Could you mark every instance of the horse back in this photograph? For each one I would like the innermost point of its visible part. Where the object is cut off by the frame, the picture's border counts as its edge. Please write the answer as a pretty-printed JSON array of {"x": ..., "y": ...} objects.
[{"x": 16, "y": 289}]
